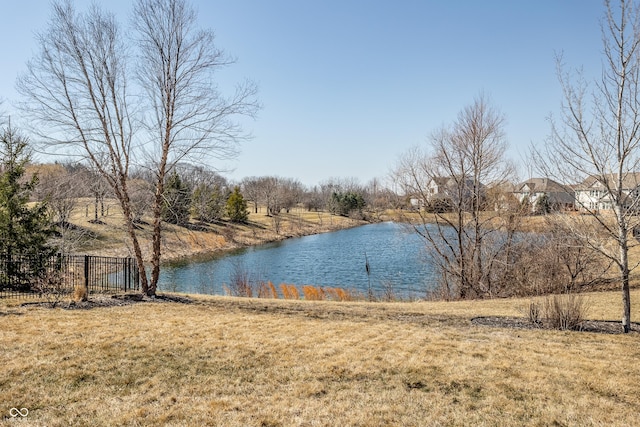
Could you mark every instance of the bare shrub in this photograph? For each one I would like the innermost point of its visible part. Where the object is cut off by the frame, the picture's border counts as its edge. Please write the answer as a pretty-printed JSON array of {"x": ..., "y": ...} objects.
[
  {"x": 240, "y": 282},
  {"x": 534, "y": 313},
  {"x": 388, "y": 293},
  {"x": 550, "y": 262},
  {"x": 440, "y": 292},
  {"x": 565, "y": 311},
  {"x": 51, "y": 287}
]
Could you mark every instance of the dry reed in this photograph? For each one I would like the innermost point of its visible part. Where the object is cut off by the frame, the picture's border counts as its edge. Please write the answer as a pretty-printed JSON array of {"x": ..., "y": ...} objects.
[
  {"x": 289, "y": 292},
  {"x": 338, "y": 294},
  {"x": 293, "y": 291},
  {"x": 272, "y": 288},
  {"x": 313, "y": 293},
  {"x": 267, "y": 290},
  {"x": 80, "y": 293}
]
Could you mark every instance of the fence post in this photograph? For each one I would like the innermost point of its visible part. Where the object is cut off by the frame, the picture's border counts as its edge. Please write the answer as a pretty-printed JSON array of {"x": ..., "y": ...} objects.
[
  {"x": 127, "y": 273},
  {"x": 136, "y": 274},
  {"x": 86, "y": 273}
]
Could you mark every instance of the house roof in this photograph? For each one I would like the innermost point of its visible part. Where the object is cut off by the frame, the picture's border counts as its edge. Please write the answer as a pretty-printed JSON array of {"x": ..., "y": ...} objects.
[
  {"x": 542, "y": 185},
  {"x": 630, "y": 181},
  {"x": 440, "y": 180}
]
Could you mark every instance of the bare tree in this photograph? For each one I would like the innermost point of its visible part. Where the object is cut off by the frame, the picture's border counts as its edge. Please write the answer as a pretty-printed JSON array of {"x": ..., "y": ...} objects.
[
  {"x": 379, "y": 197},
  {"x": 199, "y": 175},
  {"x": 99, "y": 189},
  {"x": 251, "y": 189},
  {"x": 77, "y": 86},
  {"x": 270, "y": 195},
  {"x": 312, "y": 199},
  {"x": 466, "y": 240},
  {"x": 598, "y": 137},
  {"x": 60, "y": 188},
  {"x": 188, "y": 115},
  {"x": 290, "y": 191},
  {"x": 141, "y": 198},
  {"x": 77, "y": 92}
]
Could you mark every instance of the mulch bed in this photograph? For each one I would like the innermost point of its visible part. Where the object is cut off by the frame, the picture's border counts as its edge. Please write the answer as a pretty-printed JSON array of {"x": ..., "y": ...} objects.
[
  {"x": 101, "y": 300},
  {"x": 599, "y": 326}
]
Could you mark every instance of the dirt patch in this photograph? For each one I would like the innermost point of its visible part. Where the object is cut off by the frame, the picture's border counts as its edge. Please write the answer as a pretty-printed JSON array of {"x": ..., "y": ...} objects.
[{"x": 598, "y": 326}]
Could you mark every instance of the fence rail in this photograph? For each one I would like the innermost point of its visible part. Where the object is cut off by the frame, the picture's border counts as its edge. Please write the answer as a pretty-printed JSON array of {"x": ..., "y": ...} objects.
[{"x": 32, "y": 276}]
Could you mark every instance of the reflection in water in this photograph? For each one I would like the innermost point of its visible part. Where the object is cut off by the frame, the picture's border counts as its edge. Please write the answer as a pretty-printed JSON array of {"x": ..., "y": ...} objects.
[{"x": 396, "y": 257}]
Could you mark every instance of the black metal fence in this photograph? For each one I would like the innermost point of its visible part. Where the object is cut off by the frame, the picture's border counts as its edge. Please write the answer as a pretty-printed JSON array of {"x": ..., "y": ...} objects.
[{"x": 32, "y": 276}]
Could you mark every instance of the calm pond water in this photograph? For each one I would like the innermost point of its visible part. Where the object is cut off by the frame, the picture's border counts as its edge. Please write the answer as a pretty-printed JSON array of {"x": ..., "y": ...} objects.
[{"x": 396, "y": 258}]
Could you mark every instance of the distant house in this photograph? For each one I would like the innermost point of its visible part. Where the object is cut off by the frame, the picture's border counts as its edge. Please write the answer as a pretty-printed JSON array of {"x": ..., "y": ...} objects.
[
  {"x": 592, "y": 194},
  {"x": 442, "y": 193},
  {"x": 448, "y": 187},
  {"x": 556, "y": 196},
  {"x": 501, "y": 195}
]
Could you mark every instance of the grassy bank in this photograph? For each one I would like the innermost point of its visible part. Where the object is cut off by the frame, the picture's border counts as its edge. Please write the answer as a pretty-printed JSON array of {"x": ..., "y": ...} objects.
[
  {"x": 242, "y": 362},
  {"x": 108, "y": 237}
]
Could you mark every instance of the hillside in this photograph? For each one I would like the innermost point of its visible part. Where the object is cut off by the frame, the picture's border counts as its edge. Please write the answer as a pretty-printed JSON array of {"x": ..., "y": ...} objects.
[{"x": 108, "y": 237}]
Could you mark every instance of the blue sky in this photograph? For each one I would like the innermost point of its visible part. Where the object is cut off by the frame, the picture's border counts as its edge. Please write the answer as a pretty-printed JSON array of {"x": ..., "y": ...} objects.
[{"x": 349, "y": 85}]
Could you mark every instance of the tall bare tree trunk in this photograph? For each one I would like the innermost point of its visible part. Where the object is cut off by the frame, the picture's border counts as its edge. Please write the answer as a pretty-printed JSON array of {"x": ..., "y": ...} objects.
[
  {"x": 157, "y": 221},
  {"x": 601, "y": 144},
  {"x": 77, "y": 91},
  {"x": 623, "y": 266},
  {"x": 189, "y": 117}
]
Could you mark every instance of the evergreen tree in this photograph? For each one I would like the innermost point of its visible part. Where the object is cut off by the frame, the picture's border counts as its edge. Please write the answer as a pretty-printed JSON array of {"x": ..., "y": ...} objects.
[
  {"x": 345, "y": 203},
  {"x": 237, "y": 207},
  {"x": 177, "y": 201},
  {"x": 24, "y": 230},
  {"x": 542, "y": 205}
]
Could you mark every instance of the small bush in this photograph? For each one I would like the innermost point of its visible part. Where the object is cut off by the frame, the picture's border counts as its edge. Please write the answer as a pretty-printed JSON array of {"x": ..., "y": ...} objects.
[
  {"x": 80, "y": 293},
  {"x": 285, "y": 291},
  {"x": 240, "y": 285},
  {"x": 388, "y": 293},
  {"x": 565, "y": 311},
  {"x": 263, "y": 290},
  {"x": 51, "y": 287},
  {"x": 535, "y": 313}
]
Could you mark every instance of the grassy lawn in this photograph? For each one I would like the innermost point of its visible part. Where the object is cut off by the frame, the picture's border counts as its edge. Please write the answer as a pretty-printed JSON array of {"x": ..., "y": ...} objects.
[{"x": 248, "y": 362}]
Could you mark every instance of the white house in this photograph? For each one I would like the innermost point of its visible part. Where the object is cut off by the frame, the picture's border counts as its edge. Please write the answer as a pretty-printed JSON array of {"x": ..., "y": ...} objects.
[{"x": 592, "y": 194}]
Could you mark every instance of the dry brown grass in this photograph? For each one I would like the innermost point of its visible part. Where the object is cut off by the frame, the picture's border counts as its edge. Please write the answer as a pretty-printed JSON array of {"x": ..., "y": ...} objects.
[{"x": 242, "y": 362}]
